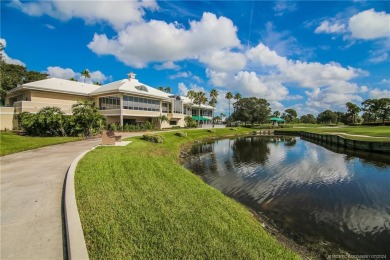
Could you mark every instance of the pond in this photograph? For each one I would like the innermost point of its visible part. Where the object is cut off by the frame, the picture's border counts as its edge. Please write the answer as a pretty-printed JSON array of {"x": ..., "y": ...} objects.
[{"x": 336, "y": 199}]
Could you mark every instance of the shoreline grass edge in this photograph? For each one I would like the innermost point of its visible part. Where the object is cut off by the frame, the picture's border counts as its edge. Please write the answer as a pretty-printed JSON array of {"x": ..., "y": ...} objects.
[{"x": 154, "y": 207}]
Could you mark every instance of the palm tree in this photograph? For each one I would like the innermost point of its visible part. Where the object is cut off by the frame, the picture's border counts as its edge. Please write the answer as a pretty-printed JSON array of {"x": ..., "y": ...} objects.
[
  {"x": 200, "y": 99},
  {"x": 222, "y": 115},
  {"x": 168, "y": 90},
  {"x": 276, "y": 114},
  {"x": 213, "y": 95},
  {"x": 229, "y": 96},
  {"x": 160, "y": 119},
  {"x": 97, "y": 83},
  {"x": 237, "y": 96},
  {"x": 72, "y": 79},
  {"x": 86, "y": 74},
  {"x": 160, "y": 88}
]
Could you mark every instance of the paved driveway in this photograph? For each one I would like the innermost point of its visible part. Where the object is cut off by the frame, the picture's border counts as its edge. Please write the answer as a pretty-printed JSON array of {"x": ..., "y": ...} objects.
[{"x": 32, "y": 183}]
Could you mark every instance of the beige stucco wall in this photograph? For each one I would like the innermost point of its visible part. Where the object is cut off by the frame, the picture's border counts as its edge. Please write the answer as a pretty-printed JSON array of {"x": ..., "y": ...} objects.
[
  {"x": 56, "y": 98},
  {"x": 7, "y": 119}
]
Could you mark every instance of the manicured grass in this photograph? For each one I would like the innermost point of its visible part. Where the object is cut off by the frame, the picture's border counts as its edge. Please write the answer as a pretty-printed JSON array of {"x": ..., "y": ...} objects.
[
  {"x": 138, "y": 202},
  {"x": 375, "y": 131},
  {"x": 13, "y": 143}
]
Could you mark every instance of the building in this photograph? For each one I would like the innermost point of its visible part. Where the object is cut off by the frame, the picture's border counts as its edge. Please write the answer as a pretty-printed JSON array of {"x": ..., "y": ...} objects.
[{"x": 126, "y": 101}]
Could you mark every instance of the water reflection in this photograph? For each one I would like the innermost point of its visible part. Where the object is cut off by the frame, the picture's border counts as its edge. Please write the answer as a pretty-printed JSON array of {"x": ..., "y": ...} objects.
[{"x": 310, "y": 191}]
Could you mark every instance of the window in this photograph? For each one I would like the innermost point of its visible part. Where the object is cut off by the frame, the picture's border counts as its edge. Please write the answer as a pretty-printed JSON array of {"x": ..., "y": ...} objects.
[
  {"x": 106, "y": 103},
  {"x": 136, "y": 103},
  {"x": 164, "y": 107},
  {"x": 178, "y": 106},
  {"x": 141, "y": 88},
  {"x": 172, "y": 122}
]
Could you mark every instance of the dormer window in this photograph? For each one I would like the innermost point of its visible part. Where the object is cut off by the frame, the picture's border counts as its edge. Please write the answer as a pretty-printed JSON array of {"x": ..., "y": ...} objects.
[{"x": 141, "y": 88}]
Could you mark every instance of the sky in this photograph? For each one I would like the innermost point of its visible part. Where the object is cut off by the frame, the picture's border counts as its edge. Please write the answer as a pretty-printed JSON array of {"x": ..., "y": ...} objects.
[{"x": 306, "y": 55}]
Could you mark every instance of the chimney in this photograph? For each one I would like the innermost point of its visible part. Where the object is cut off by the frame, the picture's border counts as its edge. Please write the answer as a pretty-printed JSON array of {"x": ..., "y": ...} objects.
[{"x": 131, "y": 76}]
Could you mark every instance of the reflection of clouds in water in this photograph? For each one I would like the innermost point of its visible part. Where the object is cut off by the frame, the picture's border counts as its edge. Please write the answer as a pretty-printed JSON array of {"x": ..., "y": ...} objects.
[
  {"x": 358, "y": 219},
  {"x": 306, "y": 183}
]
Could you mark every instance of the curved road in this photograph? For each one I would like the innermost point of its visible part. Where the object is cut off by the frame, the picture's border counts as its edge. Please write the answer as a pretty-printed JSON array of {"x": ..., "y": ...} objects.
[{"x": 32, "y": 183}]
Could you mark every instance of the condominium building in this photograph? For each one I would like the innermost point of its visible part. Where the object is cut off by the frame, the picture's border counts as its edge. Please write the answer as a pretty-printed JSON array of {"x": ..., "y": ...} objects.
[{"x": 126, "y": 101}]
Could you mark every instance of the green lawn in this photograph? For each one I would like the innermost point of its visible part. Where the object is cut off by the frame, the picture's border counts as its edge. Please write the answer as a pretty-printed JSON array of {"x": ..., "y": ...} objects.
[
  {"x": 139, "y": 202},
  {"x": 13, "y": 143},
  {"x": 375, "y": 131}
]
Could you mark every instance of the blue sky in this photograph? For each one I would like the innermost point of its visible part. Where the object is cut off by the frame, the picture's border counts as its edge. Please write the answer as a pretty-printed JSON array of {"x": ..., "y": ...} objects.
[{"x": 306, "y": 55}]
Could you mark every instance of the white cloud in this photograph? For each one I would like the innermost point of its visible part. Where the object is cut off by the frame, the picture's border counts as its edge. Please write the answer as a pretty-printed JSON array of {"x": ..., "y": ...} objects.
[
  {"x": 378, "y": 56},
  {"x": 363, "y": 89},
  {"x": 183, "y": 74},
  {"x": 8, "y": 59},
  {"x": 61, "y": 73},
  {"x": 224, "y": 60},
  {"x": 50, "y": 27},
  {"x": 183, "y": 90},
  {"x": 306, "y": 74},
  {"x": 369, "y": 25},
  {"x": 379, "y": 93},
  {"x": 327, "y": 27},
  {"x": 66, "y": 73},
  {"x": 169, "y": 65},
  {"x": 283, "y": 7},
  {"x": 116, "y": 13},
  {"x": 159, "y": 41}
]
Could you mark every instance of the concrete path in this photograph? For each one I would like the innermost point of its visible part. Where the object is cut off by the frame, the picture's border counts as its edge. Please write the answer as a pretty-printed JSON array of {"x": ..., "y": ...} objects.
[{"x": 32, "y": 182}]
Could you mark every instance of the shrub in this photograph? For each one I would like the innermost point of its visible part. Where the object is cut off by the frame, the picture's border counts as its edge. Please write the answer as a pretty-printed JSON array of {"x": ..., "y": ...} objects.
[
  {"x": 211, "y": 131},
  {"x": 181, "y": 134},
  {"x": 147, "y": 125},
  {"x": 190, "y": 122},
  {"x": 176, "y": 127},
  {"x": 49, "y": 121},
  {"x": 153, "y": 138},
  {"x": 286, "y": 126},
  {"x": 233, "y": 129}
]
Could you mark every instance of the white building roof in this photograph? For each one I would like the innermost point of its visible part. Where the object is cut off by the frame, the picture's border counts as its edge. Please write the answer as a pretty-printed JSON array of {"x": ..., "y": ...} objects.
[
  {"x": 59, "y": 86},
  {"x": 131, "y": 86}
]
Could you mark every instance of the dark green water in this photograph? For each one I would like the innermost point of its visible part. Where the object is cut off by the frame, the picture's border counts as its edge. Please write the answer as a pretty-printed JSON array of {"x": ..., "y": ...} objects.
[{"x": 316, "y": 195}]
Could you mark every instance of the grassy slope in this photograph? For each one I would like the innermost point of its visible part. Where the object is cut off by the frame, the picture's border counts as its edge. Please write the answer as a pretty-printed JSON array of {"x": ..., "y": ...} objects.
[
  {"x": 376, "y": 131},
  {"x": 13, "y": 143},
  {"x": 138, "y": 202}
]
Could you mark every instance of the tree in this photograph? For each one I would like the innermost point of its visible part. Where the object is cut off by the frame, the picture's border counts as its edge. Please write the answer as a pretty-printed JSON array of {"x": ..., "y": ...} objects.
[
  {"x": 200, "y": 99},
  {"x": 308, "y": 119},
  {"x": 352, "y": 112},
  {"x": 229, "y": 96},
  {"x": 97, "y": 83},
  {"x": 276, "y": 114},
  {"x": 160, "y": 88},
  {"x": 85, "y": 73},
  {"x": 167, "y": 90},
  {"x": 370, "y": 110},
  {"x": 87, "y": 118},
  {"x": 34, "y": 76},
  {"x": 12, "y": 75},
  {"x": 383, "y": 108},
  {"x": 49, "y": 121},
  {"x": 291, "y": 115},
  {"x": 72, "y": 79},
  {"x": 213, "y": 96},
  {"x": 161, "y": 119},
  {"x": 222, "y": 115},
  {"x": 190, "y": 121},
  {"x": 327, "y": 117},
  {"x": 253, "y": 110}
]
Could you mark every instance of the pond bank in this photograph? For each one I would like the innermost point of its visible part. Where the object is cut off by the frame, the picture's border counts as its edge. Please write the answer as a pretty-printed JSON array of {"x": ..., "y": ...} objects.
[
  {"x": 137, "y": 201},
  {"x": 336, "y": 139}
]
